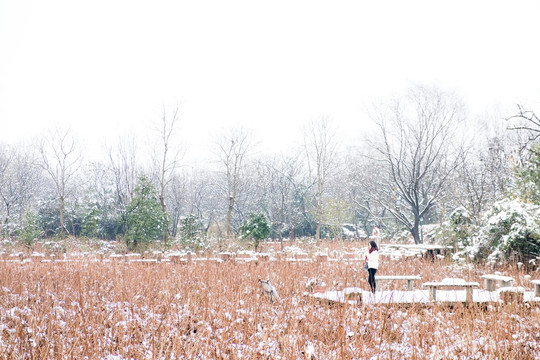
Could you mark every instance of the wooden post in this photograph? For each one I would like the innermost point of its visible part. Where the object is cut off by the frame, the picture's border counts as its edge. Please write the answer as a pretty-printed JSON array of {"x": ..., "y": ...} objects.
[
  {"x": 433, "y": 292},
  {"x": 468, "y": 293},
  {"x": 489, "y": 284},
  {"x": 536, "y": 287}
]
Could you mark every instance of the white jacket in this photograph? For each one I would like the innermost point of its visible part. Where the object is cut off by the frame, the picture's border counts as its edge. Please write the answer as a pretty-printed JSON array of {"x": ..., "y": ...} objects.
[{"x": 373, "y": 259}]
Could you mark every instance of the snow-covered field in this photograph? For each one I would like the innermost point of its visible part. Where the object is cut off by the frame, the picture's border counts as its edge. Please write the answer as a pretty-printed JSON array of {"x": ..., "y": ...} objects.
[{"x": 216, "y": 310}]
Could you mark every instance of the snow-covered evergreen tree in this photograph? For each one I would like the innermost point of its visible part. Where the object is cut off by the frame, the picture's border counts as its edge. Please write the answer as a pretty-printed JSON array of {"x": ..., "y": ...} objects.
[
  {"x": 510, "y": 230},
  {"x": 145, "y": 220}
]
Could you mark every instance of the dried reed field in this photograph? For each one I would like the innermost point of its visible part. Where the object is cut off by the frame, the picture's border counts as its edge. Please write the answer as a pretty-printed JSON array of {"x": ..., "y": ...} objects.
[{"x": 213, "y": 310}]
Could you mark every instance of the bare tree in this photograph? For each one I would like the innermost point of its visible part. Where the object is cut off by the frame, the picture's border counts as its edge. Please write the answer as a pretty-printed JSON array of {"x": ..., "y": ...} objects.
[
  {"x": 278, "y": 180},
  {"x": 418, "y": 153},
  {"x": 482, "y": 177},
  {"x": 123, "y": 160},
  {"x": 526, "y": 128},
  {"x": 526, "y": 120},
  {"x": 232, "y": 151},
  {"x": 19, "y": 180},
  {"x": 168, "y": 160},
  {"x": 321, "y": 153},
  {"x": 61, "y": 160},
  {"x": 362, "y": 176},
  {"x": 177, "y": 199},
  {"x": 4, "y": 174}
]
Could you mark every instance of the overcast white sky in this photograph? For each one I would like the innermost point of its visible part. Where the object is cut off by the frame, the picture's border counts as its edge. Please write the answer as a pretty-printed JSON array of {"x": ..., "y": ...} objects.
[{"x": 107, "y": 67}]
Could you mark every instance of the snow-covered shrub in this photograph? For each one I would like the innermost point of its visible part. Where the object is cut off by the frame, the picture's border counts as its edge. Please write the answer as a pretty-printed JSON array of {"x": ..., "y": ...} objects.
[
  {"x": 29, "y": 231},
  {"x": 145, "y": 220},
  {"x": 91, "y": 220},
  {"x": 350, "y": 231},
  {"x": 460, "y": 219},
  {"x": 190, "y": 227},
  {"x": 457, "y": 231},
  {"x": 193, "y": 244},
  {"x": 256, "y": 228},
  {"x": 190, "y": 234},
  {"x": 510, "y": 229}
]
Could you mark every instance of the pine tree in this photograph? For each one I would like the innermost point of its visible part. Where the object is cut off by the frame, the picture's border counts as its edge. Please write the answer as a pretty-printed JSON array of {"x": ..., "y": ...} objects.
[
  {"x": 145, "y": 220},
  {"x": 256, "y": 228}
]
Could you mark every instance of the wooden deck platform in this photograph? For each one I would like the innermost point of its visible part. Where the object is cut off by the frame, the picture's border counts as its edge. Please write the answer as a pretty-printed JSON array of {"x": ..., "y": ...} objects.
[{"x": 355, "y": 296}]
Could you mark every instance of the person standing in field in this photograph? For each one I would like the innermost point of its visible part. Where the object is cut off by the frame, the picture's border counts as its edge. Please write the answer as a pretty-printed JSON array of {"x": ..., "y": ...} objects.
[{"x": 372, "y": 259}]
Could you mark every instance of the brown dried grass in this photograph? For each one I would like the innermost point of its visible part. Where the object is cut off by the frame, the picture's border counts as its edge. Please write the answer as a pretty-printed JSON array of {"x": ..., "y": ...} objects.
[{"x": 210, "y": 310}]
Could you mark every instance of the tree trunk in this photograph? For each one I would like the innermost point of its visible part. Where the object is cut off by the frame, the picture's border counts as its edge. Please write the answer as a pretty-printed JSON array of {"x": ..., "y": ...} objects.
[
  {"x": 415, "y": 231},
  {"x": 61, "y": 209},
  {"x": 6, "y": 221},
  {"x": 229, "y": 214},
  {"x": 166, "y": 234}
]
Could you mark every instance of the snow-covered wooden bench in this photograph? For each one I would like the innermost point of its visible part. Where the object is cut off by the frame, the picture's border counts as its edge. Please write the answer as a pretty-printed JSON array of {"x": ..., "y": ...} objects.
[
  {"x": 491, "y": 280},
  {"x": 409, "y": 278},
  {"x": 350, "y": 295},
  {"x": 177, "y": 258},
  {"x": 37, "y": 257},
  {"x": 450, "y": 283},
  {"x": 225, "y": 256},
  {"x": 536, "y": 287},
  {"x": 246, "y": 258},
  {"x": 300, "y": 258},
  {"x": 510, "y": 294}
]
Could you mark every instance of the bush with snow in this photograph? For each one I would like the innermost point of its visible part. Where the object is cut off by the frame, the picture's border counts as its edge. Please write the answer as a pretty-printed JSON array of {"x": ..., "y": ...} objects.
[
  {"x": 457, "y": 230},
  {"x": 29, "y": 231},
  {"x": 510, "y": 230},
  {"x": 145, "y": 220},
  {"x": 256, "y": 228},
  {"x": 190, "y": 232}
]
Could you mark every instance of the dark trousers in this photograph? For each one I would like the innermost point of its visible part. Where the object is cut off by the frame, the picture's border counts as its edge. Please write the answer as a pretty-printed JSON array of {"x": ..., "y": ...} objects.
[{"x": 371, "y": 279}]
